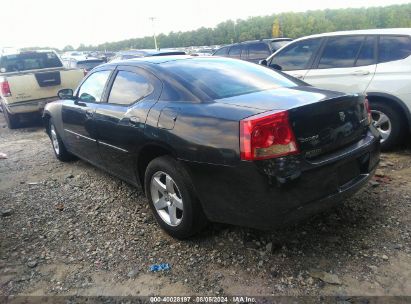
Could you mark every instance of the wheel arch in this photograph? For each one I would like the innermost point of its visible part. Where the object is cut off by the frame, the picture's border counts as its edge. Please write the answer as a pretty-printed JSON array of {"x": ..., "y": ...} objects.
[
  {"x": 400, "y": 106},
  {"x": 146, "y": 154}
]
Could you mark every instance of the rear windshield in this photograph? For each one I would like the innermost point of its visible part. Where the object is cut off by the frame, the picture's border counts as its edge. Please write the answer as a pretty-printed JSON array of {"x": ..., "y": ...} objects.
[
  {"x": 222, "y": 78},
  {"x": 276, "y": 45},
  {"x": 89, "y": 64},
  {"x": 29, "y": 61}
]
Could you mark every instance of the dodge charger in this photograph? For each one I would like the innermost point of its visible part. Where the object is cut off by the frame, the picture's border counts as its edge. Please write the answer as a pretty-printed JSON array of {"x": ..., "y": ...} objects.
[{"x": 217, "y": 139}]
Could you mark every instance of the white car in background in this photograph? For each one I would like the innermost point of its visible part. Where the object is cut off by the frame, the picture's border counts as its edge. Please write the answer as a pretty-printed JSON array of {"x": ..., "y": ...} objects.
[{"x": 374, "y": 62}]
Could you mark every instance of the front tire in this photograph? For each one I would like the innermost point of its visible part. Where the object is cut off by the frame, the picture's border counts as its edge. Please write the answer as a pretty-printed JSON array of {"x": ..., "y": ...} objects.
[
  {"x": 172, "y": 198},
  {"x": 389, "y": 123},
  {"x": 58, "y": 146}
]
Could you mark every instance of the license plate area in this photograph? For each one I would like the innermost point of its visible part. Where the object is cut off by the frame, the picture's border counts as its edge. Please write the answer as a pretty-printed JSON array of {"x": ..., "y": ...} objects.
[{"x": 347, "y": 172}]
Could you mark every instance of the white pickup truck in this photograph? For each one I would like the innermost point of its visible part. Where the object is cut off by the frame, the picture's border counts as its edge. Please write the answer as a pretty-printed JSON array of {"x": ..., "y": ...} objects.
[{"x": 29, "y": 80}]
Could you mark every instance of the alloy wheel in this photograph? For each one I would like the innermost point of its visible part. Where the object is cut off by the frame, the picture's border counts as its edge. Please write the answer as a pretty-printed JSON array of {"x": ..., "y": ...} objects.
[
  {"x": 383, "y": 124},
  {"x": 166, "y": 198}
]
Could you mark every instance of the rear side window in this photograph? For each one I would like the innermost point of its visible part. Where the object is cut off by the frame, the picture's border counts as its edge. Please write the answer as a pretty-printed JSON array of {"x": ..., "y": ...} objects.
[
  {"x": 128, "y": 88},
  {"x": 296, "y": 56},
  {"x": 393, "y": 48},
  {"x": 221, "y": 52},
  {"x": 258, "y": 51},
  {"x": 93, "y": 87},
  {"x": 29, "y": 61},
  {"x": 340, "y": 52},
  {"x": 235, "y": 51}
]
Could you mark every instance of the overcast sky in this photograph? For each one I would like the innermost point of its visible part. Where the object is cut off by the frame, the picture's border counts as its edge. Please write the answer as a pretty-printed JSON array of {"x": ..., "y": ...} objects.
[{"x": 56, "y": 23}]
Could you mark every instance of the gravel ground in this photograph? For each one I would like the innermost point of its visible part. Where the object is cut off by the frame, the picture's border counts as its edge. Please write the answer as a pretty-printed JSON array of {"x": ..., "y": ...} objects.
[{"x": 71, "y": 229}]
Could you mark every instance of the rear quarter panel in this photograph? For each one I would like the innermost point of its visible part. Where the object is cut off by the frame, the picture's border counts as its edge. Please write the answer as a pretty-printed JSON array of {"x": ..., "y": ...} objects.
[
  {"x": 393, "y": 78},
  {"x": 203, "y": 132}
]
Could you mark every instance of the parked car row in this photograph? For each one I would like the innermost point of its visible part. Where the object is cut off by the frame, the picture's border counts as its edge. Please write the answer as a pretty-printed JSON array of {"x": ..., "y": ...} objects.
[
  {"x": 372, "y": 62},
  {"x": 252, "y": 51},
  {"x": 84, "y": 63}
]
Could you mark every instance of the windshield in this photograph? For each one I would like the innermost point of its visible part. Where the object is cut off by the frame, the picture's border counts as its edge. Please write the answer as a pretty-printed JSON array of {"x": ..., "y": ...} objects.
[
  {"x": 89, "y": 64},
  {"x": 29, "y": 61},
  {"x": 276, "y": 45},
  {"x": 226, "y": 78}
]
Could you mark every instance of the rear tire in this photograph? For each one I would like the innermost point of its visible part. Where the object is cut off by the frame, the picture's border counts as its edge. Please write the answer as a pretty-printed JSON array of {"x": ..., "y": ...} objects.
[
  {"x": 58, "y": 146},
  {"x": 168, "y": 187},
  {"x": 389, "y": 123},
  {"x": 12, "y": 120}
]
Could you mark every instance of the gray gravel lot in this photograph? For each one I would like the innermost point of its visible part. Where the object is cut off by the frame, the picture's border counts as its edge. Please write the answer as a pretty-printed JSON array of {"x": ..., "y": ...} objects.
[{"x": 71, "y": 229}]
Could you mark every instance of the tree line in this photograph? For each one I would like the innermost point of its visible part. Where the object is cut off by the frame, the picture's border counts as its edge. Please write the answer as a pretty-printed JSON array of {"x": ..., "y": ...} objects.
[{"x": 288, "y": 24}]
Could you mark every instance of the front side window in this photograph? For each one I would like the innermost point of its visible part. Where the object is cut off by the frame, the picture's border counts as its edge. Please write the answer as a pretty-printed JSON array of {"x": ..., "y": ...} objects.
[
  {"x": 92, "y": 88},
  {"x": 258, "y": 51},
  {"x": 235, "y": 51},
  {"x": 340, "y": 52},
  {"x": 394, "y": 48},
  {"x": 296, "y": 56},
  {"x": 128, "y": 88}
]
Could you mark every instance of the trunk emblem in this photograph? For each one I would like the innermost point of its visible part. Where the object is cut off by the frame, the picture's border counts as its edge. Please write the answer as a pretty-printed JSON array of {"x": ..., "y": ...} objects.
[{"x": 342, "y": 116}]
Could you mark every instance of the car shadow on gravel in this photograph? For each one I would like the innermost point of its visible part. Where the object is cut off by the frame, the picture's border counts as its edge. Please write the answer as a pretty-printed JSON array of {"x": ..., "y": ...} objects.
[
  {"x": 30, "y": 122},
  {"x": 345, "y": 228}
]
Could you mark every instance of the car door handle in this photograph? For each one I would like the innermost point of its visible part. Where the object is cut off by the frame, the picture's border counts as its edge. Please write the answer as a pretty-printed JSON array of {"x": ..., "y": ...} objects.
[
  {"x": 361, "y": 72},
  {"x": 89, "y": 112},
  {"x": 134, "y": 120},
  {"x": 299, "y": 76}
]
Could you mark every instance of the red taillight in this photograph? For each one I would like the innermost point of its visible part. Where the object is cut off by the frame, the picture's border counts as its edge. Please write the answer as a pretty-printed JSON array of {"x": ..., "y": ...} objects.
[
  {"x": 266, "y": 135},
  {"x": 5, "y": 88},
  {"x": 368, "y": 108}
]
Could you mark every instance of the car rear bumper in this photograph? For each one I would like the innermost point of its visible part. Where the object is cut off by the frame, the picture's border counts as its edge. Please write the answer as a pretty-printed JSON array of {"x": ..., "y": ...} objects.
[
  {"x": 29, "y": 106},
  {"x": 271, "y": 193}
]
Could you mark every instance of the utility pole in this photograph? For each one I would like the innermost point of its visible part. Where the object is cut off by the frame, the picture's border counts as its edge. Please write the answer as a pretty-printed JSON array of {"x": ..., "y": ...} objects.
[{"x": 154, "y": 32}]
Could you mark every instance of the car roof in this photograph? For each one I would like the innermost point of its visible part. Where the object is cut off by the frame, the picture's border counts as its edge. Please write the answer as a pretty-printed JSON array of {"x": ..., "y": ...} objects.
[
  {"x": 387, "y": 31},
  {"x": 153, "y": 60},
  {"x": 149, "y": 52}
]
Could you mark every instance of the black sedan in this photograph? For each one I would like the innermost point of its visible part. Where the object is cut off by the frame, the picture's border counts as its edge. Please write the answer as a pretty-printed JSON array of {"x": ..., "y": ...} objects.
[{"x": 217, "y": 139}]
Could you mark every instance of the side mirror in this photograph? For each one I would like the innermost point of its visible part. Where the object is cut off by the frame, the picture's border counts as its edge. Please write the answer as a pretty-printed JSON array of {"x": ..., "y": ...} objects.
[
  {"x": 65, "y": 94},
  {"x": 263, "y": 62},
  {"x": 275, "y": 67}
]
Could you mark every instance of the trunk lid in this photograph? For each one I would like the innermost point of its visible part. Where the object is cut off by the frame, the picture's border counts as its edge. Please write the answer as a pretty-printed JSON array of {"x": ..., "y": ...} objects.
[
  {"x": 329, "y": 124},
  {"x": 322, "y": 120}
]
